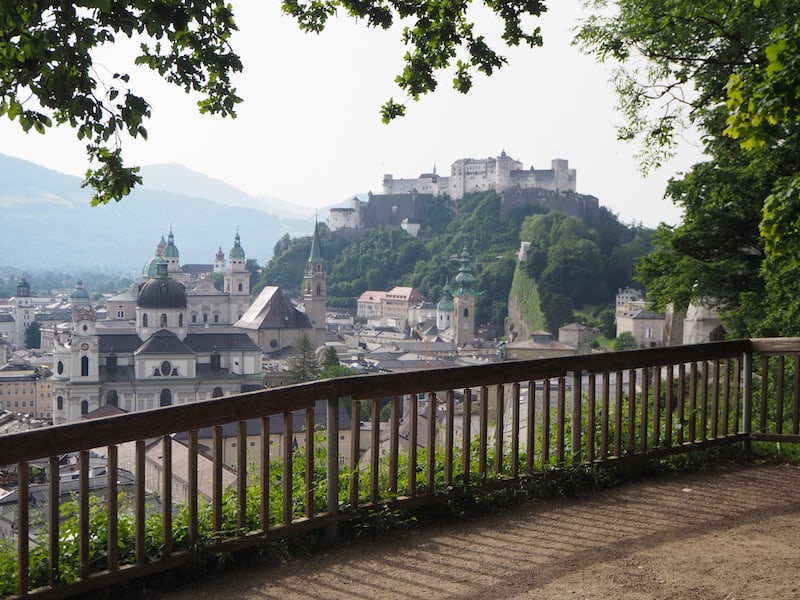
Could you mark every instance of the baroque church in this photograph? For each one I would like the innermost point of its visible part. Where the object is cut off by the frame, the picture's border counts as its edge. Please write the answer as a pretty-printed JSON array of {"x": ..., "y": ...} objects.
[{"x": 165, "y": 343}]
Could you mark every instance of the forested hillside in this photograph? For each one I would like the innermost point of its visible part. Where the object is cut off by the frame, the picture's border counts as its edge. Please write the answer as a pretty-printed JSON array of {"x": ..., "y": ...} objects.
[{"x": 574, "y": 262}]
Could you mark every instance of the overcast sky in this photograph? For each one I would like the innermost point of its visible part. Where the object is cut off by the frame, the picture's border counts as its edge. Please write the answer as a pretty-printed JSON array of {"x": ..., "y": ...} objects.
[{"x": 309, "y": 130}]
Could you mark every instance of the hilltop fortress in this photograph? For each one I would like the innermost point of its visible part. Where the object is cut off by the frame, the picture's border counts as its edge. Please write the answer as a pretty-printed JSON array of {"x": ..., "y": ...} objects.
[{"x": 404, "y": 200}]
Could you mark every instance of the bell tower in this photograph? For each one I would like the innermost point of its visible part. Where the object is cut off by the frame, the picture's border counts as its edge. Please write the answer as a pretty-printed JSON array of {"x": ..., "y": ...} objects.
[
  {"x": 315, "y": 288},
  {"x": 464, "y": 296}
]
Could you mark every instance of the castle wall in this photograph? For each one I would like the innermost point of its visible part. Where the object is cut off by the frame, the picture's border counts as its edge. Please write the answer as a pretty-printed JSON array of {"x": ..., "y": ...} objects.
[
  {"x": 576, "y": 205},
  {"x": 392, "y": 209}
]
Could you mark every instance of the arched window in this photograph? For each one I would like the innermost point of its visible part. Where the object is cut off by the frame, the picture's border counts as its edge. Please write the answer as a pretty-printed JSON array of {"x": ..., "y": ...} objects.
[
  {"x": 144, "y": 320},
  {"x": 60, "y": 403},
  {"x": 466, "y": 312},
  {"x": 240, "y": 287},
  {"x": 180, "y": 320},
  {"x": 84, "y": 366},
  {"x": 166, "y": 398},
  {"x": 217, "y": 393},
  {"x": 163, "y": 320},
  {"x": 319, "y": 289},
  {"x": 84, "y": 407},
  {"x": 112, "y": 398}
]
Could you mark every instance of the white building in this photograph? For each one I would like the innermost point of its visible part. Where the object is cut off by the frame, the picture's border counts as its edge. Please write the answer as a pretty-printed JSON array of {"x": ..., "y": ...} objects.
[
  {"x": 499, "y": 173},
  {"x": 646, "y": 327},
  {"x": 160, "y": 359}
]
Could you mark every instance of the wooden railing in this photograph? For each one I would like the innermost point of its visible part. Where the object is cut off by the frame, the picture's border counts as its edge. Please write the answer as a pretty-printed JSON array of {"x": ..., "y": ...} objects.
[{"x": 492, "y": 426}]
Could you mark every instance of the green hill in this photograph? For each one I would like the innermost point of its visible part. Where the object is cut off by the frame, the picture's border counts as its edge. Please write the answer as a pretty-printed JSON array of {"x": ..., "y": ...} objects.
[{"x": 573, "y": 262}]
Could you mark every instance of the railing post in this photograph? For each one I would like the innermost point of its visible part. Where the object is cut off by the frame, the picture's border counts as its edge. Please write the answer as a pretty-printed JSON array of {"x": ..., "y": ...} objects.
[
  {"x": 333, "y": 466},
  {"x": 747, "y": 398},
  {"x": 23, "y": 526},
  {"x": 576, "y": 417}
]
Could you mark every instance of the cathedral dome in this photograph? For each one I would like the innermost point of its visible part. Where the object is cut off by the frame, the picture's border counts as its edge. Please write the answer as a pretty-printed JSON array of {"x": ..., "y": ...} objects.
[
  {"x": 79, "y": 293},
  {"x": 161, "y": 291},
  {"x": 150, "y": 267},
  {"x": 237, "y": 252}
]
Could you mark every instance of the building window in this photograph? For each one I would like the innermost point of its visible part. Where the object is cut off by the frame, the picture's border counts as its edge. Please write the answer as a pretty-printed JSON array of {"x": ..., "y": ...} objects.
[
  {"x": 60, "y": 368},
  {"x": 216, "y": 318},
  {"x": 144, "y": 320},
  {"x": 84, "y": 366},
  {"x": 319, "y": 289},
  {"x": 466, "y": 312},
  {"x": 84, "y": 407},
  {"x": 163, "y": 320},
  {"x": 60, "y": 403},
  {"x": 217, "y": 393},
  {"x": 205, "y": 317},
  {"x": 112, "y": 398},
  {"x": 240, "y": 287},
  {"x": 180, "y": 320},
  {"x": 194, "y": 318},
  {"x": 120, "y": 314},
  {"x": 166, "y": 368},
  {"x": 166, "y": 398}
]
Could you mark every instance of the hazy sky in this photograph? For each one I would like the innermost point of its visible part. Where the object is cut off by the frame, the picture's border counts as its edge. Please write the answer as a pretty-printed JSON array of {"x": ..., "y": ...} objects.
[{"x": 309, "y": 131}]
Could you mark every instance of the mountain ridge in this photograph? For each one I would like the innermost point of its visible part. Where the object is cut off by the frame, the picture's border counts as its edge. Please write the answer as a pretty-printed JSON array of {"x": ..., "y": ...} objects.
[{"x": 48, "y": 221}]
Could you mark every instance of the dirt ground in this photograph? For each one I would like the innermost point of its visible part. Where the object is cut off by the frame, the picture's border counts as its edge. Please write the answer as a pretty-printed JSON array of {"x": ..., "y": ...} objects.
[{"x": 729, "y": 532}]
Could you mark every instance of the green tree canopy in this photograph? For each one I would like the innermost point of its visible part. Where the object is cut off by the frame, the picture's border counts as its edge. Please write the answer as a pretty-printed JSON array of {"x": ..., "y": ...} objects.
[
  {"x": 625, "y": 341},
  {"x": 331, "y": 358},
  {"x": 729, "y": 68},
  {"x": 47, "y": 70},
  {"x": 302, "y": 363},
  {"x": 33, "y": 335}
]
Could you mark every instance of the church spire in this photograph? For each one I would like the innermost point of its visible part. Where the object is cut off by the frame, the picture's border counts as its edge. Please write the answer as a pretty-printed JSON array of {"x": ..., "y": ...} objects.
[{"x": 316, "y": 253}]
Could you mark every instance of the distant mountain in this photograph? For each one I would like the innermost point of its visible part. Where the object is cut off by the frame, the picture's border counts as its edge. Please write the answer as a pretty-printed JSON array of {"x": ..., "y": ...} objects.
[
  {"x": 48, "y": 221},
  {"x": 184, "y": 181}
]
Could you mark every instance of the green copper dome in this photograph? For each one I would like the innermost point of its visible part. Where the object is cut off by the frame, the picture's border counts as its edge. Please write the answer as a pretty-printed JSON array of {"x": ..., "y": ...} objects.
[
  {"x": 150, "y": 267},
  {"x": 237, "y": 252},
  {"x": 79, "y": 293},
  {"x": 446, "y": 302}
]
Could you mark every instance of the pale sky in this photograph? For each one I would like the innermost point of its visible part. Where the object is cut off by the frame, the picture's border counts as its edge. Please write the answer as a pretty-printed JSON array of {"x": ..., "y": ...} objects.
[{"x": 309, "y": 130}]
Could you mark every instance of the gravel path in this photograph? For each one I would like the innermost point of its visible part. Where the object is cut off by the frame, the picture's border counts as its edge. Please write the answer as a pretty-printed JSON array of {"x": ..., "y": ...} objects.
[{"x": 729, "y": 532}]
